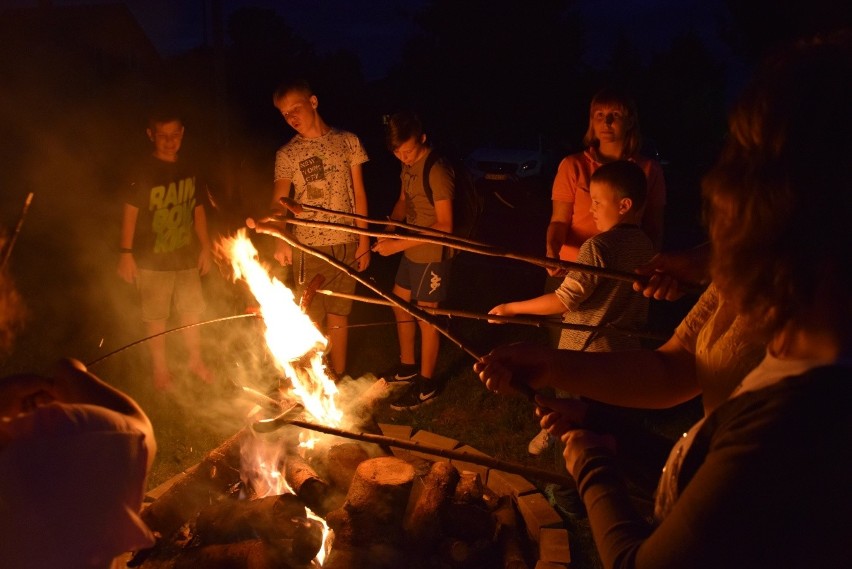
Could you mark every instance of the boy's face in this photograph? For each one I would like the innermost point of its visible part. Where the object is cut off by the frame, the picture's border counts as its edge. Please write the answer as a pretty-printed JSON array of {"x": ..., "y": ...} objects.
[
  {"x": 167, "y": 138},
  {"x": 607, "y": 208},
  {"x": 411, "y": 150},
  {"x": 299, "y": 110}
]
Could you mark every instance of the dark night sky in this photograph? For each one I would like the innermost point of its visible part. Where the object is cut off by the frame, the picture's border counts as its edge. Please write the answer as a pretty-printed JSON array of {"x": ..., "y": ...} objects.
[{"x": 377, "y": 29}]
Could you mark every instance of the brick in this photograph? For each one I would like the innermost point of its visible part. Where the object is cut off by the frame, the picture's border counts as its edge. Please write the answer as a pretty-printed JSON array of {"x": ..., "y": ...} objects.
[
  {"x": 504, "y": 483},
  {"x": 431, "y": 439},
  {"x": 469, "y": 466},
  {"x": 538, "y": 513},
  {"x": 402, "y": 432},
  {"x": 553, "y": 546}
]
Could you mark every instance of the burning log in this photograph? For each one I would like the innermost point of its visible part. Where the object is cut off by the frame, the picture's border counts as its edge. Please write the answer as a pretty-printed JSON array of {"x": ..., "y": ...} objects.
[
  {"x": 252, "y": 554},
  {"x": 306, "y": 484},
  {"x": 280, "y": 520},
  {"x": 423, "y": 523},
  {"x": 205, "y": 482}
]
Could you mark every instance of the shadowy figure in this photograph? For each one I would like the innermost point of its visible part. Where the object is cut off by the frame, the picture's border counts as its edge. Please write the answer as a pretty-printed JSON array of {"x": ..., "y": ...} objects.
[{"x": 771, "y": 457}]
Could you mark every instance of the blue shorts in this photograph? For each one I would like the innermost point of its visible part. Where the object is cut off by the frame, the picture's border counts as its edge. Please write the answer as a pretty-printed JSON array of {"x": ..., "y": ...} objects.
[{"x": 427, "y": 282}]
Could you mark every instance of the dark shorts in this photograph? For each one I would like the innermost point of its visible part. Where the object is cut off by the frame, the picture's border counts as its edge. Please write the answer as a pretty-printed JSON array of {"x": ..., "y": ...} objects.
[
  {"x": 427, "y": 282},
  {"x": 335, "y": 279}
]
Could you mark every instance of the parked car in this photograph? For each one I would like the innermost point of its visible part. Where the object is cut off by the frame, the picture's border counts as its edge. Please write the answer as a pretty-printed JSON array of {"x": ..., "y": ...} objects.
[{"x": 515, "y": 171}]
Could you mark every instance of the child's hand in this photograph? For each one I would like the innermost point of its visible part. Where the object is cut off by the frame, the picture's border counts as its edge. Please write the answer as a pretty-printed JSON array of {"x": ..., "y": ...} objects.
[{"x": 501, "y": 310}]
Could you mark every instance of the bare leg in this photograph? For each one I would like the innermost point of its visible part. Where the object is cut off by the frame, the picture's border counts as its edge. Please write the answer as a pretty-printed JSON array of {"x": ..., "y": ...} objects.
[
  {"x": 430, "y": 342},
  {"x": 405, "y": 328},
  {"x": 192, "y": 339},
  {"x": 338, "y": 336},
  {"x": 157, "y": 348}
]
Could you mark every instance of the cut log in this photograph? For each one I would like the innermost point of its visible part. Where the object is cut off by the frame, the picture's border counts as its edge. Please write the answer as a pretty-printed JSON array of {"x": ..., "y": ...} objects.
[
  {"x": 341, "y": 462},
  {"x": 423, "y": 522},
  {"x": 381, "y": 486},
  {"x": 306, "y": 483},
  {"x": 508, "y": 534},
  {"x": 470, "y": 489},
  {"x": 281, "y": 520},
  {"x": 253, "y": 554},
  {"x": 202, "y": 484},
  {"x": 375, "y": 504}
]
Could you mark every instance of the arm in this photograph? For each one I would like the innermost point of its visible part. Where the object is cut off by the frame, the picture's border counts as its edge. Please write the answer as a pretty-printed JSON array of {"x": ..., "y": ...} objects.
[
  {"x": 126, "y": 263},
  {"x": 545, "y": 304},
  {"x": 362, "y": 253},
  {"x": 557, "y": 230},
  {"x": 649, "y": 379},
  {"x": 444, "y": 222},
  {"x": 283, "y": 252},
  {"x": 204, "y": 256}
]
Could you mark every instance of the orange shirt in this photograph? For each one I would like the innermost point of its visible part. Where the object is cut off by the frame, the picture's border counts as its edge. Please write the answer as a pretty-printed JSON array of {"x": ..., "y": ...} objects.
[{"x": 571, "y": 185}]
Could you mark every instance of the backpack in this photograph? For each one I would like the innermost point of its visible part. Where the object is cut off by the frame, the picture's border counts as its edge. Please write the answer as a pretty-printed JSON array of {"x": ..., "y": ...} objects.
[{"x": 468, "y": 198}]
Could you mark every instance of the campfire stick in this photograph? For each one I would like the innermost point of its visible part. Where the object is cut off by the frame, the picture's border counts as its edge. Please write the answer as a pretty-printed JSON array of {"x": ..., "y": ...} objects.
[
  {"x": 413, "y": 310},
  {"x": 298, "y": 208},
  {"x": 481, "y": 460},
  {"x": 546, "y": 262},
  {"x": 178, "y": 329},
  {"x": 530, "y": 321},
  {"x": 13, "y": 236}
]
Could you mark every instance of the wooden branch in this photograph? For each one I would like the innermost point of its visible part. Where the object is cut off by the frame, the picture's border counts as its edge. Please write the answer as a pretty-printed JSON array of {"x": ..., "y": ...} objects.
[
  {"x": 297, "y": 208},
  {"x": 270, "y": 228},
  {"x": 546, "y": 262},
  {"x": 482, "y": 460},
  {"x": 524, "y": 320}
]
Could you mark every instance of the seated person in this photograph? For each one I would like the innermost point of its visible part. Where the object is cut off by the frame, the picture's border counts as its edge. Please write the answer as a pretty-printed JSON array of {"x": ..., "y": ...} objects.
[{"x": 74, "y": 457}]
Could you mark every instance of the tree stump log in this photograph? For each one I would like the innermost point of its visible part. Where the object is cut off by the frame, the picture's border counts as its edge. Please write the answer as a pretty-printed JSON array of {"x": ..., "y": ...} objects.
[{"x": 423, "y": 528}]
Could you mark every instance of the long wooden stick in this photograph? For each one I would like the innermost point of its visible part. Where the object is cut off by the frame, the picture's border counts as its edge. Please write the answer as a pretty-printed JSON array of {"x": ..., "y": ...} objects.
[
  {"x": 271, "y": 227},
  {"x": 13, "y": 236},
  {"x": 481, "y": 460},
  {"x": 528, "y": 321},
  {"x": 545, "y": 262},
  {"x": 297, "y": 208}
]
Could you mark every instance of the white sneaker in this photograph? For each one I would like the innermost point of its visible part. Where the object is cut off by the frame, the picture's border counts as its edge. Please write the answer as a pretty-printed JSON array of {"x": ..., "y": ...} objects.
[{"x": 540, "y": 443}]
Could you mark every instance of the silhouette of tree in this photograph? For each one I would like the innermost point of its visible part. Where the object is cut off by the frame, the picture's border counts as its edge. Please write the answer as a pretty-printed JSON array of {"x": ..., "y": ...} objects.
[
  {"x": 757, "y": 26},
  {"x": 495, "y": 67}
]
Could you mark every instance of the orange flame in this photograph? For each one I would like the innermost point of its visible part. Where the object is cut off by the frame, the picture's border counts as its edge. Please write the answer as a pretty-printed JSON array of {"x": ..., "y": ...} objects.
[
  {"x": 291, "y": 337},
  {"x": 290, "y": 334}
]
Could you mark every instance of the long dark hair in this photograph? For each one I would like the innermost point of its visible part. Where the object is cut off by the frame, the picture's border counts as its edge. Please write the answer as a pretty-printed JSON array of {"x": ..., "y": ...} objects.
[{"x": 778, "y": 202}]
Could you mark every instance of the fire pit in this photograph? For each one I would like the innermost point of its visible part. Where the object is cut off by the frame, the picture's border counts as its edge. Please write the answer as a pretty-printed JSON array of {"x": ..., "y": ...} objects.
[
  {"x": 279, "y": 495},
  {"x": 386, "y": 510}
]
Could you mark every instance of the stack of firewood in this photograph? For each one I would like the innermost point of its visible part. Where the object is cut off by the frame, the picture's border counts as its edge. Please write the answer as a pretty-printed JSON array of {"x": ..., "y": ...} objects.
[{"x": 385, "y": 512}]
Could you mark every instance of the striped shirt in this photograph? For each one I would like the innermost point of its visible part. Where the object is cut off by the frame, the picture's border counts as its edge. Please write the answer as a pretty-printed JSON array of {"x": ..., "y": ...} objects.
[{"x": 594, "y": 300}]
